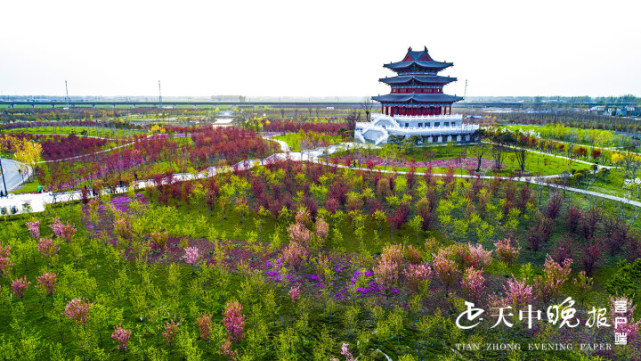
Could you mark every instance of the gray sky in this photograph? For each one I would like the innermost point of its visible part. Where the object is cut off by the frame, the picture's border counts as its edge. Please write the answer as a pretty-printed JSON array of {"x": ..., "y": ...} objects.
[{"x": 316, "y": 48}]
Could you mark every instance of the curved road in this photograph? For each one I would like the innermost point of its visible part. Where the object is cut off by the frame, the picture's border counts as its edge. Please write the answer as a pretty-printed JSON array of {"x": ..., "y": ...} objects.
[{"x": 12, "y": 175}]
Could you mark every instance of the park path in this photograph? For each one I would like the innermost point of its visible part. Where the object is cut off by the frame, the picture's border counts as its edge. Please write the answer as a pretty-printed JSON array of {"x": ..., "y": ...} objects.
[{"x": 38, "y": 201}]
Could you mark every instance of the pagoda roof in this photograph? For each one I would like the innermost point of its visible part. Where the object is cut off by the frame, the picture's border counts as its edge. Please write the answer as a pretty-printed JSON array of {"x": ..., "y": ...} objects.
[
  {"x": 399, "y": 65},
  {"x": 419, "y": 78},
  {"x": 417, "y": 97},
  {"x": 421, "y": 58}
]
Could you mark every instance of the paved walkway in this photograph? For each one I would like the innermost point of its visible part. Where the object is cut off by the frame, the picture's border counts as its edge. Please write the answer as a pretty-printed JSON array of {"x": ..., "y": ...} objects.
[
  {"x": 14, "y": 174},
  {"x": 37, "y": 202}
]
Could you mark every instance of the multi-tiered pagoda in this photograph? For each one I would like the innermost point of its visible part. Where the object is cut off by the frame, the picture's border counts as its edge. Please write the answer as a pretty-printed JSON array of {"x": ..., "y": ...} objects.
[{"x": 416, "y": 105}]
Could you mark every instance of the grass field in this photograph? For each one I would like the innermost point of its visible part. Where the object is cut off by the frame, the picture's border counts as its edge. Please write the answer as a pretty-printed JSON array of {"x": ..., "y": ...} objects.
[{"x": 294, "y": 140}]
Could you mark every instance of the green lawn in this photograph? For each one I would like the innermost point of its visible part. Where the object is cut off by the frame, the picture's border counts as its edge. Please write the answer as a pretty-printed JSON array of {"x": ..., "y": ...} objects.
[
  {"x": 29, "y": 187},
  {"x": 293, "y": 140},
  {"x": 535, "y": 164}
]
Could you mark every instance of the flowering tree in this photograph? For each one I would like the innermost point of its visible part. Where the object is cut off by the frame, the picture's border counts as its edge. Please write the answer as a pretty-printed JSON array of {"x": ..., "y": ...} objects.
[
  {"x": 77, "y": 311},
  {"x": 19, "y": 286},
  {"x": 478, "y": 256},
  {"x": 387, "y": 271},
  {"x": 47, "y": 283},
  {"x": 121, "y": 337},
  {"x": 322, "y": 228},
  {"x": 506, "y": 252},
  {"x": 5, "y": 261},
  {"x": 345, "y": 352},
  {"x": 445, "y": 270},
  {"x": 294, "y": 254},
  {"x": 191, "y": 255},
  {"x": 226, "y": 349},
  {"x": 517, "y": 293},
  {"x": 234, "y": 320},
  {"x": 554, "y": 277},
  {"x": 62, "y": 230},
  {"x": 170, "y": 330},
  {"x": 48, "y": 247},
  {"x": 34, "y": 228},
  {"x": 473, "y": 283},
  {"x": 416, "y": 275},
  {"x": 294, "y": 293},
  {"x": 299, "y": 233}
]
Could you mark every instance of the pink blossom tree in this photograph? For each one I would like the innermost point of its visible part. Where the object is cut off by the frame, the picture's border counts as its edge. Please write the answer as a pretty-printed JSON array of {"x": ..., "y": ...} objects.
[
  {"x": 34, "y": 228},
  {"x": 227, "y": 350},
  {"x": 322, "y": 228},
  {"x": 5, "y": 259},
  {"x": 170, "y": 330},
  {"x": 517, "y": 293},
  {"x": 64, "y": 231},
  {"x": 121, "y": 337},
  {"x": 506, "y": 252},
  {"x": 473, "y": 283},
  {"x": 345, "y": 352},
  {"x": 234, "y": 320},
  {"x": 445, "y": 270},
  {"x": 20, "y": 286},
  {"x": 554, "y": 277},
  {"x": 294, "y": 254},
  {"x": 478, "y": 256},
  {"x": 47, "y": 283},
  {"x": 48, "y": 247},
  {"x": 191, "y": 255},
  {"x": 387, "y": 270},
  {"x": 417, "y": 274},
  {"x": 299, "y": 233},
  {"x": 294, "y": 293},
  {"x": 77, "y": 311}
]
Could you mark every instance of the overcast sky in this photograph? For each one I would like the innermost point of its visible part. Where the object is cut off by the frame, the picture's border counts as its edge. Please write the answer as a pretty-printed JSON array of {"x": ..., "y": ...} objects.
[{"x": 316, "y": 48}]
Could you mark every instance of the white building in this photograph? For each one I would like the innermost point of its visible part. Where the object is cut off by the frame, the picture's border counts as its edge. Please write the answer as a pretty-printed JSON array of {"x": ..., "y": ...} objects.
[{"x": 431, "y": 128}]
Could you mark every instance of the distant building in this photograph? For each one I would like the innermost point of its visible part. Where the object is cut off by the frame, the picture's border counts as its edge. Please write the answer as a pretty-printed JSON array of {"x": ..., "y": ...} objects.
[{"x": 416, "y": 105}]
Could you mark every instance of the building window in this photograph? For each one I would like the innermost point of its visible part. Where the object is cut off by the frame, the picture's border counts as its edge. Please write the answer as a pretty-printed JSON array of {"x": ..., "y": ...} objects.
[
  {"x": 447, "y": 124},
  {"x": 437, "y": 124},
  {"x": 420, "y": 125}
]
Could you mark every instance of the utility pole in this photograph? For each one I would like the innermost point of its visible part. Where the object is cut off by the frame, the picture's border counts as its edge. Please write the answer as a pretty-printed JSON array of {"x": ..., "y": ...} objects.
[
  {"x": 67, "y": 93},
  {"x": 4, "y": 182},
  {"x": 159, "y": 94},
  {"x": 465, "y": 91}
]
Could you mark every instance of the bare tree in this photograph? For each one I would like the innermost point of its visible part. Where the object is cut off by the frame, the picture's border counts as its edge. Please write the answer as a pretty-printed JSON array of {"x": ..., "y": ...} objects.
[
  {"x": 520, "y": 154},
  {"x": 353, "y": 117},
  {"x": 367, "y": 106}
]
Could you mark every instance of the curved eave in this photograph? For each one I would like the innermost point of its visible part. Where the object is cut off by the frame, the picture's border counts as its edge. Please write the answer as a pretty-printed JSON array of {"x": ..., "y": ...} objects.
[
  {"x": 423, "y": 79},
  {"x": 424, "y": 64}
]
